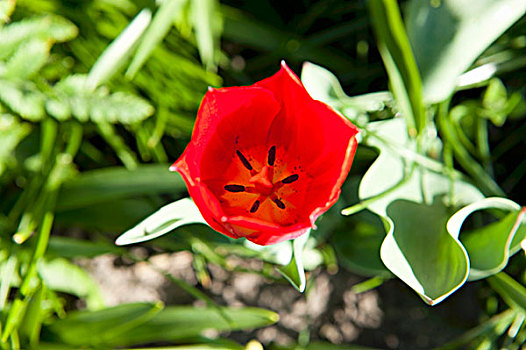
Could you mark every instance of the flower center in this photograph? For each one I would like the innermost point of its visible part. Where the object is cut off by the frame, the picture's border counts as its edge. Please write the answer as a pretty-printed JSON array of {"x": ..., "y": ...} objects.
[{"x": 261, "y": 182}]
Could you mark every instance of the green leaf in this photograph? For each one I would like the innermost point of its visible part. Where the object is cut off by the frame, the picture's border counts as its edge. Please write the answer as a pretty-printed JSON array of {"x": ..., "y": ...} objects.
[
  {"x": 154, "y": 34},
  {"x": 67, "y": 247},
  {"x": 23, "y": 98},
  {"x": 11, "y": 133},
  {"x": 207, "y": 23},
  {"x": 108, "y": 184},
  {"x": 510, "y": 290},
  {"x": 117, "y": 53},
  {"x": 102, "y": 327},
  {"x": 51, "y": 27},
  {"x": 72, "y": 94},
  {"x": 488, "y": 246},
  {"x": 163, "y": 221},
  {"x": 408, "y": 193},
  {"x": 419, "y": 250},
  {"x": 293, "y": 271},
  {"x": 6, "y": 9},
  {"x": 448, "y": 36},
  {"x": 124, "y": 214},
  {"x": 169, "y": 325},
  {"x": 399, "y": 62},
  {"x": 176, "y": 323},
  {"x": 217, "y": 344},
  {"x": 61, "y": 275},
  {"x": 322, "y": 85},
  {"x": 27, "y": 60},
  {"x": 359, "y": 250}
]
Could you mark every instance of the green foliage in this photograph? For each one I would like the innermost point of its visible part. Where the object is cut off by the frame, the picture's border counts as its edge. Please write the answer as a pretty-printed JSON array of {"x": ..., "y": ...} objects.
[
  {"x": 91, "y": 91},
  {"x": 72, "y": 97},
  {"x": 443, "y": 38},
  {"x": 151, "y": 322}
]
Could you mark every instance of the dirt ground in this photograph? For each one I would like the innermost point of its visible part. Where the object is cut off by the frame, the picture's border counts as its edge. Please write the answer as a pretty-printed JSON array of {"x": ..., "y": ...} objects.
[{"x": 388, "y": 317}]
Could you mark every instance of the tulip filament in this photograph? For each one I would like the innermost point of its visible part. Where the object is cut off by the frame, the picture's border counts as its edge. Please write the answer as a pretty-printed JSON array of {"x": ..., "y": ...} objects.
[{"x": 261, "y": 181}]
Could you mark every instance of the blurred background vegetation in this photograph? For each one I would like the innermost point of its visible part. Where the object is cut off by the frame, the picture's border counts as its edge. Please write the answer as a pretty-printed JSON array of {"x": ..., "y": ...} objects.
[{"x": 98, "y": 97}]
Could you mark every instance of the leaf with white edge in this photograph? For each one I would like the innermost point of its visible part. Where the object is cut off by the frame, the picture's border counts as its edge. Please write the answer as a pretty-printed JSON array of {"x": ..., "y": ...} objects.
[
  {"x": 442, "y": 37},
  {"x": 163, "y": 221},
  {"x": 489, "y": 246},
  {"x": 280, "y": 253},
  {"x": 409, "y": 195},
  {"x": 419, "y": 250},
  {"x": 293, "y": 271},
  {"x": 321, "y": 84},
  {"x": 324, "y": 86}
]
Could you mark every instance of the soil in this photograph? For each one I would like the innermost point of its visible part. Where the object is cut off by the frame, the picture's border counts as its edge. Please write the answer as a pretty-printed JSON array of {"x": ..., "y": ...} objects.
[{"x": 391, "y": 316}]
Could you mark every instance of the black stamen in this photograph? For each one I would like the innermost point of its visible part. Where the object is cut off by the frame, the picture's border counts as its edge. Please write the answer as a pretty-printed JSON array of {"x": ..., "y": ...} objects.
[
  {"x": 272, "y": 155},
  {"x": 279, "y": 203},
  {"x": 255, "y": 206},
  {"x": 290, "y": 179},
  {"x": 243, "y": 160},
  {"x": 235, "y": 188}
]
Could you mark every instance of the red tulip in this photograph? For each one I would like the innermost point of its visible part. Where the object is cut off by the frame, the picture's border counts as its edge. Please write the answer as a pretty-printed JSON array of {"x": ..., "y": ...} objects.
[{"x": 266, "y": 160}]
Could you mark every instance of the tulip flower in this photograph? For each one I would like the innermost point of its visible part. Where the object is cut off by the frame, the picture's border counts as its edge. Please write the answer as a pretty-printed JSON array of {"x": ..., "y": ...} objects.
[{"x": 266, "y": 160}]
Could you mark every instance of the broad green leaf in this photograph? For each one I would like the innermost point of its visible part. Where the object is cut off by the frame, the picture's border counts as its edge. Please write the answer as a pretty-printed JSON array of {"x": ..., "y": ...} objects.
[
  {"x": 176, "y": 323},
  {"x": 23, "y": 98},
  {"x": 330, "y": 346},
  {"x": 409, "y": 194},
  {"x": 161, "y": 23},
  {"x": 61, "y": 275},
  {"x": 169, "y": 325},
  {"x": 108, "y": 184},
  {"x": 488, "y": 246},
  {"x": 359, "y": 250},
  {"x": 510, "y": 290},
  {"x": 102, "y": 327},
  {"x": 399, "y": 62},
  {"x": 27, "y": 60},
  {"x": 117, "y": 53},
  {"x": 168, "y": 218},
  {"x": 124, "y": 213},
  {"x": 68, "y": 247},
  {"x": 293, "y": 271},
  {"x": 447, "y": 36},
  {"x": 216, "y": 345},
  {"x": 420, "y": 251}
]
